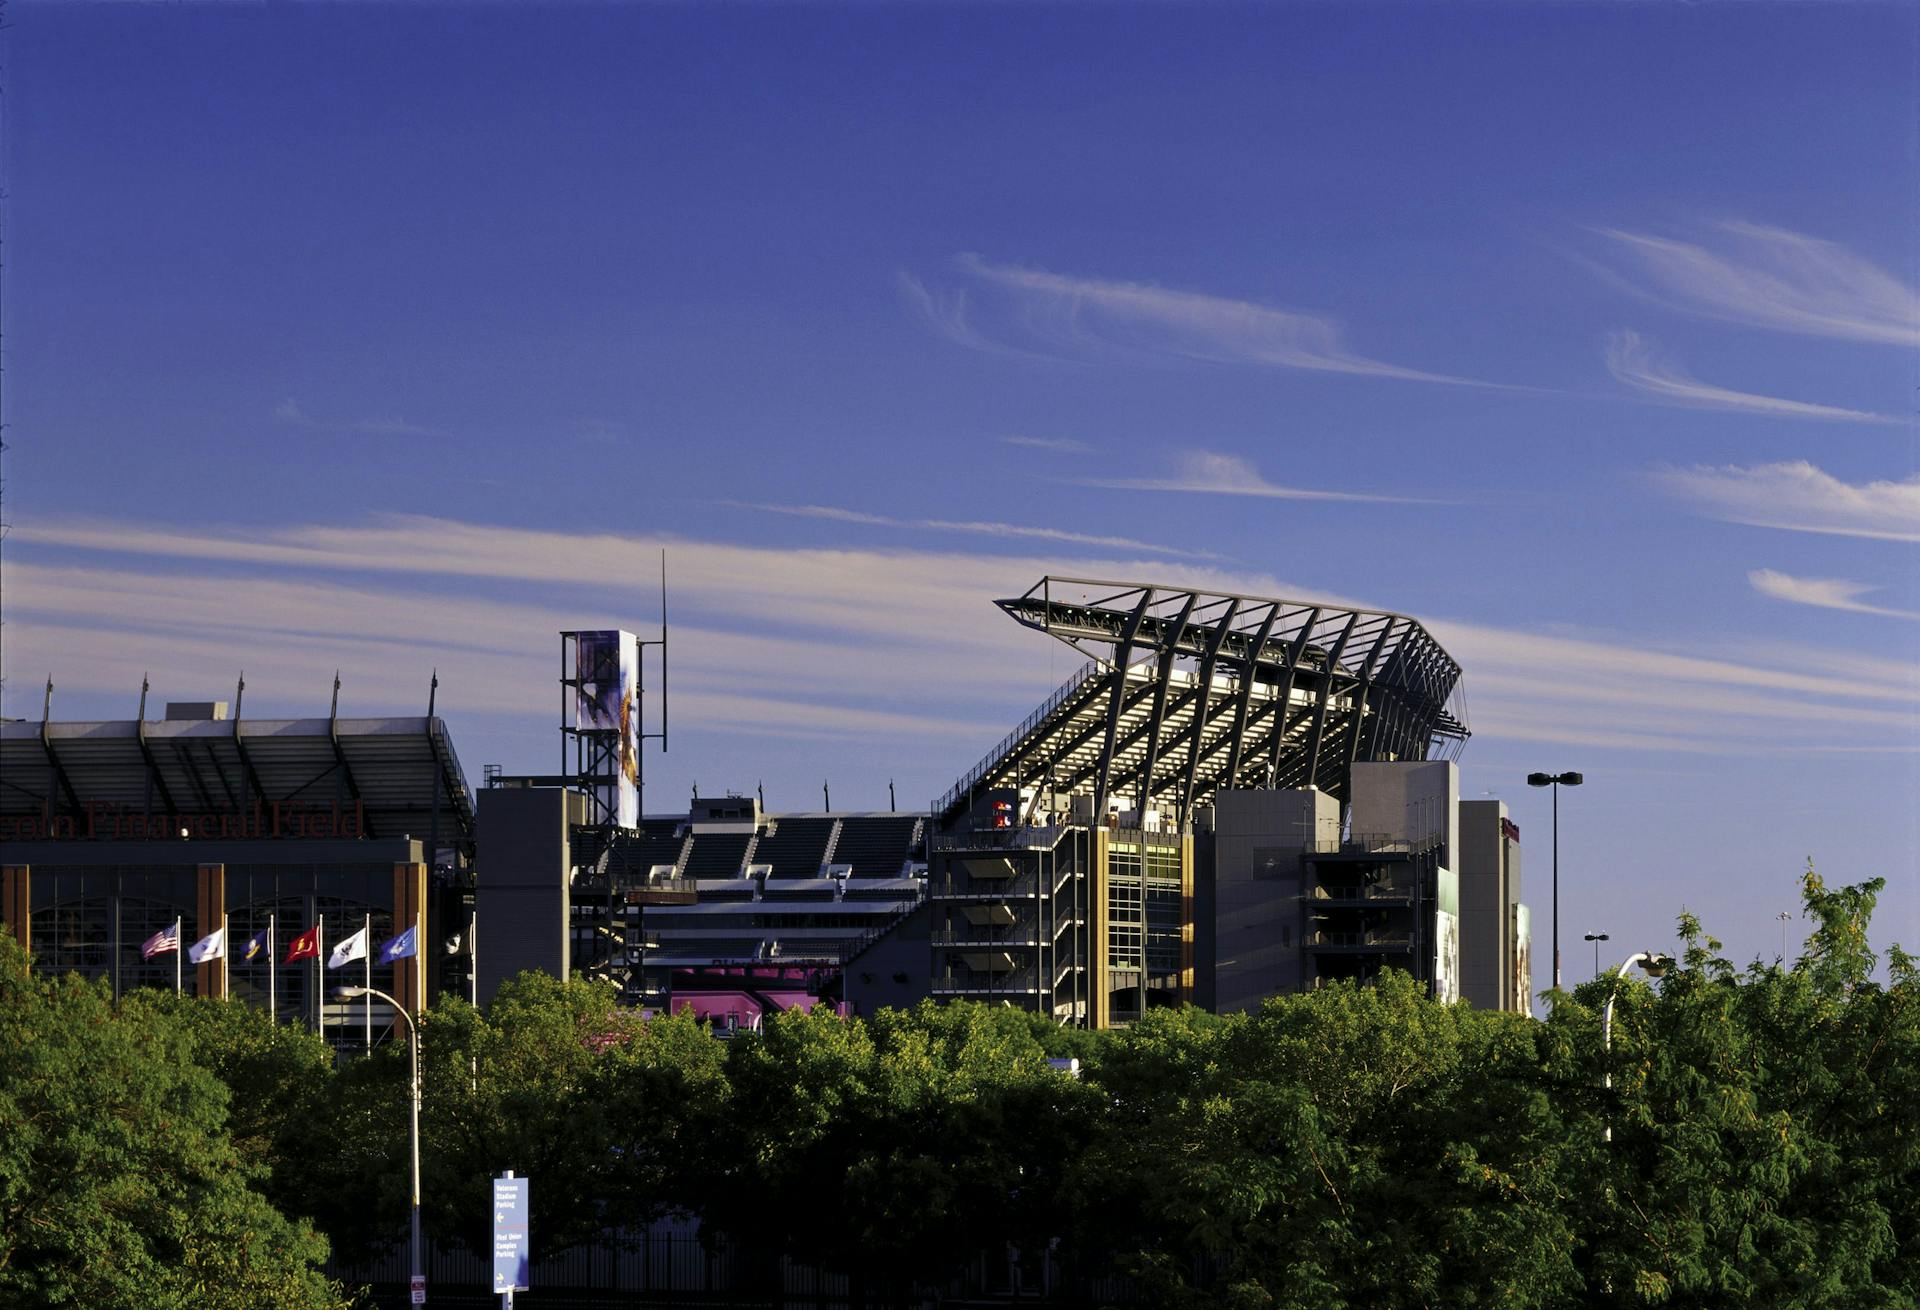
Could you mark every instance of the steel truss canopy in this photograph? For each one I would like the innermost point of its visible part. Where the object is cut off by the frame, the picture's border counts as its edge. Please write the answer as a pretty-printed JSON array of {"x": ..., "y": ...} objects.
[
  {"x": 1189, "y": 692},
  {"x": 218, "y": 778}
]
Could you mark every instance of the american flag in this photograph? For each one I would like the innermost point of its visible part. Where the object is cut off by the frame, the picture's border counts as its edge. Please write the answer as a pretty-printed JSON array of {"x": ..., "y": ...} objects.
[{"x": 167, "y": 939}]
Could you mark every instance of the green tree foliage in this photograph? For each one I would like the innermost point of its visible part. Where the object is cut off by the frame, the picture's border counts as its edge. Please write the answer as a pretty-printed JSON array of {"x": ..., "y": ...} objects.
[
  {"x": 609, "y": 1115},
  {"x": 1766, "y": 1147},
  {"x": 898, "y": 1149},
  {"x": 1351, "y": 1147},
  {"x": 119, "y": 1182},
  {"x": 1750, "y": 1138}
]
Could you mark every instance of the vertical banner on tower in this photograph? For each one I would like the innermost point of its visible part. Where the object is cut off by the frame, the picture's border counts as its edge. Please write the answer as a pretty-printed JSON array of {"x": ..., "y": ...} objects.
[
  {"x": 1523, "y": 960},
  {"x": 1446, "y": 938},
  {"x": 607, "y": 665}
]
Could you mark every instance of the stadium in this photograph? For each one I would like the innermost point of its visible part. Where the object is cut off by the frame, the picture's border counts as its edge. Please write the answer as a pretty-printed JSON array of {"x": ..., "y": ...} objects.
[{"x": 1231, "y": 797}]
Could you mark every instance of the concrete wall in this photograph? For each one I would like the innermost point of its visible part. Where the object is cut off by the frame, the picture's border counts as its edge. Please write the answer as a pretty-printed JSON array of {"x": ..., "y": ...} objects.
[
  {"x": 1486, "y": 955},
  {"x": 1409, "y": 800},
  {"x": 892, "y": 972},
  {"x": 520, "y": 882},
  {"x": 1490, "y": 904},
  {"x": 1256, "y": 888}
]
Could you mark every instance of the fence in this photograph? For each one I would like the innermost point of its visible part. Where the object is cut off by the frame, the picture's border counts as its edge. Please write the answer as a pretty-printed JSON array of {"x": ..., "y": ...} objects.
[{"x": 671, "y": 1265}]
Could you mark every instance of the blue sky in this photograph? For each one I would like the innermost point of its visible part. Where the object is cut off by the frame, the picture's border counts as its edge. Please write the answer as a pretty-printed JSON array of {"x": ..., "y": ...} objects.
[{"x": 389, "y": 338}]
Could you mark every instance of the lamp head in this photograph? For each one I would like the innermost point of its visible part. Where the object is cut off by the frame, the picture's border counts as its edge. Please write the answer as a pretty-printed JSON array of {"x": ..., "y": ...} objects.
[
  {"x": 348, "y": 993},
  {"x": 1596, "y": 937},
  {"x": 1539, "y": 779},
  {"x": 1571, "y": 779},
  {"x": 1656, "y": 965}
]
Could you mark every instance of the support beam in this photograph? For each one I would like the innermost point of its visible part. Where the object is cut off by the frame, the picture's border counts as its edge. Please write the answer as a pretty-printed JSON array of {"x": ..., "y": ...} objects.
[
  {"x": 1121, "y": 659},
  {"x": 340, "y": 754},
  {"x": 61, "y": 782},
  {"x": 1245, "y": 698},
  {"x": 1326, "y": 696},
  {"x": 1163, "y": 676},
  {"x": 1200, "y": 716},
  {"x": 146, "y": 753}
]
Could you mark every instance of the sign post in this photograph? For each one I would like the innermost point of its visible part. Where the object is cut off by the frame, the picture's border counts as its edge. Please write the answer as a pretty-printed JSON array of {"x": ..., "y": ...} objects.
[{"x": 510, "y": 1246}]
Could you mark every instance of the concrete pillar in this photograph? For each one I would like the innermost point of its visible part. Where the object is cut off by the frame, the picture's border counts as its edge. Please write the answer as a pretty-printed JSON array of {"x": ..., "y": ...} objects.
[
  {"x": 16, "y": 903},
  {"x": 209, "y": 979},
  {"x": 410, "y": 911}
]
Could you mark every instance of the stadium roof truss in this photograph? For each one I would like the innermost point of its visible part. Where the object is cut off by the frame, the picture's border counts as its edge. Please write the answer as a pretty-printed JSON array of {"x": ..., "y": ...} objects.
[
  {"x": 1188, "y": 692},
  {"x": 400, "y": 773}
]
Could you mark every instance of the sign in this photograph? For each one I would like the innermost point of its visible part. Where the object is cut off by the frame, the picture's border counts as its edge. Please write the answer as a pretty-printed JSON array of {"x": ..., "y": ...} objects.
[
  {"x": 111, "y": 821},
  {"x": 511, "y": 1252},
  {"x": 419, "y": 1289},
  {"x": 606, "y": 701}
]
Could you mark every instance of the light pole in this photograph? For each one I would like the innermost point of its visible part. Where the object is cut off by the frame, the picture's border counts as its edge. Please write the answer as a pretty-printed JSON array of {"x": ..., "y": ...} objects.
[
  {"x": 413, "y": 1125},
  {"x": 1655, "y": 965},
  {"x": 1554, "y": 780},
  {"x": 1596, "y": 938},
  {"x": 1785, "y": 918}
]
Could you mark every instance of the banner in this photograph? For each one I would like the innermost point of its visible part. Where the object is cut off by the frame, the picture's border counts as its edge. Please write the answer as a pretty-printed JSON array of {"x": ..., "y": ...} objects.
[{"x": 607, "y": 666}]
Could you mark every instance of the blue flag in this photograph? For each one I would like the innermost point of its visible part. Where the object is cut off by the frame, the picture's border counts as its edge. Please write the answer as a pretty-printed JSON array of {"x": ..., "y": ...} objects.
[
  {"x": 256, "y": 947},
  {"x": 403, "y": 947}
]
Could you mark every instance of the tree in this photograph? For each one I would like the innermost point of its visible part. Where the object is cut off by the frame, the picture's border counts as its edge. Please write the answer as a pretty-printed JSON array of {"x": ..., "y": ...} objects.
[
  {"x": 1764, "y": 1151},
  {"x": 1357, "y": 1146},
  {"x": 607, "y": 1113},
  {"x": 119, "y": 1183},
  {"x": 899, "y": 1149}
]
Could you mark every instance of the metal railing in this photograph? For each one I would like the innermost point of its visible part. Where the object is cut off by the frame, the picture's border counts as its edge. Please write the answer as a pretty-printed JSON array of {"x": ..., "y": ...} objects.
[
  {"x": 990, "y": 937},
  {"x": 1360, "y": 940},
  {"x": 1370, "y": 891},
  {"x": 1012, "y": 739},
  {"x": 1372, "y": 843},
  {"x": 1021, "y": 887},
  {"x": 999, "y": 839},
  {"x": 986, "y": 980}
]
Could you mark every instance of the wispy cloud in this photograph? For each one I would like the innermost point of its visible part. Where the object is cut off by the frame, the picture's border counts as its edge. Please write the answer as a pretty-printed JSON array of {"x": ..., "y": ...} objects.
[
  {"x": 1055, "y": 445},
  {"x": 1825, "y": 593},
  {"x": 948, "y": 314},
  {"x": 1800, "y": 497},
  {"x": 1632, "y": 360},
  {"x": 1102, "y": 318},
  {"x": 877, "y": 647},
  {"x": 1774, "y": 278},
  {"x": 1209, "y": 473},
  {"x": 380, "y": 425},
  {"x": 980, "y": 528}
]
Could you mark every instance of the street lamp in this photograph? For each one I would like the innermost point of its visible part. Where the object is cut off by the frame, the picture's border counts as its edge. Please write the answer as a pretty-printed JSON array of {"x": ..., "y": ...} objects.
[
  {"x": 413, "y": 1127},
  {"x": 1655, "y": 965},
  {"x": 1596, "y": 938},
  {"x": 1554, "y": 780}
]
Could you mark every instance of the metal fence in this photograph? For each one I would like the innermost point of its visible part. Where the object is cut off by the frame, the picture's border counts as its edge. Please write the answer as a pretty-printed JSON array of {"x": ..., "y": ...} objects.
[{"x": 671, "y": 1265}]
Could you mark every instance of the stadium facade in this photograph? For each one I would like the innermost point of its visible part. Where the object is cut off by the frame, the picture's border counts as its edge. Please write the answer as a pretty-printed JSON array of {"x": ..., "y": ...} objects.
[
  {"x": 111, "y": 832},
  {"x": 1232, "y": 798}
]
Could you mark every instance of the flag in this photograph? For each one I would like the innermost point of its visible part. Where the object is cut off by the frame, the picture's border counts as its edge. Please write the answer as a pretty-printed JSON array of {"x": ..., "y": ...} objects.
[
  {"x": 211, "y": 947},
  {"x": 403, "y": 947},
  {"x": 167, "y": 939},
  {"x": 350, "y": 949},
  {"x": 304, "y": 947},
  {"x": 256, "y": 947}
]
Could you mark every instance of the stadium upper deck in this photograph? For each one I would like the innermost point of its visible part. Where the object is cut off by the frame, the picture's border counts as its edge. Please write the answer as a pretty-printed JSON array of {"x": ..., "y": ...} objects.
[{"x": 1189, "y": 692}]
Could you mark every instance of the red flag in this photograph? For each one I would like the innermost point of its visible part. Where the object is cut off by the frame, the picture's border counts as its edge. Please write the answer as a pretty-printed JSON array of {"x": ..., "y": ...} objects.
[{"x": 304, "y": 947}]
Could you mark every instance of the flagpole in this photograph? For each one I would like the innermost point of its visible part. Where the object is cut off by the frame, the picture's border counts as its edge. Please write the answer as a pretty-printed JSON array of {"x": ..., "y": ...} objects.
[
  {"x": 320, "y": 971},
  {"x": 366, "y": 960},
  {"x": 178, "y": 951},
  {"x": 226, "y": 953},
  {"x": 273, "y": 992},
  {"x": 473, "y": 958}
]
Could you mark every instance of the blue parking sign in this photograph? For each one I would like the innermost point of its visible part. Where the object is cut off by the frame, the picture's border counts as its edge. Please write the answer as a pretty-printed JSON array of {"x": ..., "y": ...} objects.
[{"x": 510, "y": 1245}]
